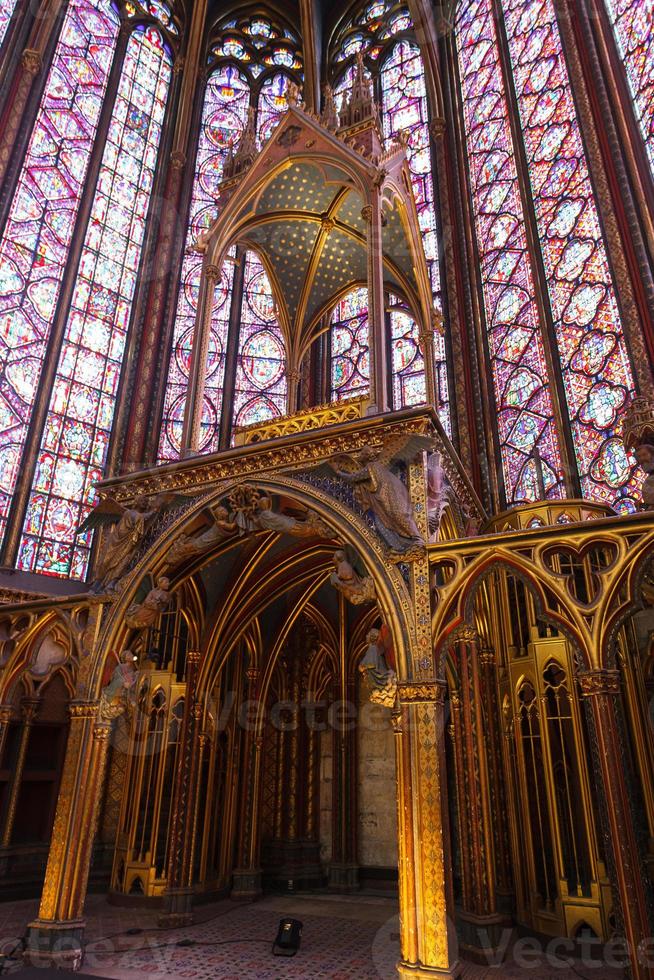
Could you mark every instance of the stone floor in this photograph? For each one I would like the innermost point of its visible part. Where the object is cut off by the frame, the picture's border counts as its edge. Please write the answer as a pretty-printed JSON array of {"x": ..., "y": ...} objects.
[{"x": 344, "y": 938}]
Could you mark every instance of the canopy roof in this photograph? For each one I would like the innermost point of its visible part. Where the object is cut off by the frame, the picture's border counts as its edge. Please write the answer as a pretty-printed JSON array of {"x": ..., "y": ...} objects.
[{"x": 301, "y": 205}]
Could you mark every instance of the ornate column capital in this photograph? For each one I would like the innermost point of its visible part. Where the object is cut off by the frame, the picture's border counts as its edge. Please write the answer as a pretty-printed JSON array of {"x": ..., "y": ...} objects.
[
  {"x": 31, "y": 61},
  {"x": 422, "y": 692},
  {"x": 193, "y": 657},
  {"x": 102, "y": 730},
  {"x": 366, "y": 213},
  {"x": 594, "y": 682},
  {"x": 213, "y": 272},
  {"x": 437, "y": 127},
  {"x": 177, "y": 160},
  {"x": 6, "y": 711},
  {"x": 83, "y": 709}
]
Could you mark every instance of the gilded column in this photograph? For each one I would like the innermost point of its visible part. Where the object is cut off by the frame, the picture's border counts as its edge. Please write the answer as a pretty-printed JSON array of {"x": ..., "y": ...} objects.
[
  {"x": 55, "y": 937},
  {"x": 602, "y": 688},
  {"x": 6, "y": 712},
  {"x": 179, "y": 893},
  {"x": 479, "y": 919},
  {"x": 490, "y": 708},
  {"x": 246, "y": 882},
  {"x": 29, "y": 709},
  {"x": 344, "y": 865},
  {"x": 201, "y": 338},
  {"x": 427, "y": 931},
  {"x": 456, "y": 731},
  {"x": 372, "y": 215}
]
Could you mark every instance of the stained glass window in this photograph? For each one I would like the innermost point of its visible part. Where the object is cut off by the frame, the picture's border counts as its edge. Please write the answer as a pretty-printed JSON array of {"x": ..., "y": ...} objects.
[
  {"x": 6, "y": 13},
  {"x": 350, "y": 362},
  {"x": 524, "y": 405},
  {"x": 588, "y": 337},
  {"x": 633, "y": 24},
  {"x": 408, "y": 364},
  {"x": 36, "y": 238},
  {"x": 404, "y": 109},
  {"x": 596, "y": 372},
  {"x": 224, "y": 115},
  {"x": 260, "y": 389},
  {"x": 272, "y": 103},
  {"x": 78, "y": 427}
]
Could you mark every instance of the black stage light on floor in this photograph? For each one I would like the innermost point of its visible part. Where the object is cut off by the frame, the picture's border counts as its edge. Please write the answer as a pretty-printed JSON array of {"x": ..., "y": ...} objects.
[{"x": 287, "y": 941}]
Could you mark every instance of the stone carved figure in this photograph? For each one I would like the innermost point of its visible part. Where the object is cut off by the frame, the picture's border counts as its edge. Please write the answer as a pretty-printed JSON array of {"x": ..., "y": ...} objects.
[
  {"x": 379, "y": 490},
  {"x": 355, "y": 586},
  {"x": 140, "y": 615},
  {"x": 127, "y": 527},
  {"x": 190, "y": 546},
  {"x": 377, "y": 666},
  {"x": 119, "y": 692},
  {"x": 252, "y": 510}
]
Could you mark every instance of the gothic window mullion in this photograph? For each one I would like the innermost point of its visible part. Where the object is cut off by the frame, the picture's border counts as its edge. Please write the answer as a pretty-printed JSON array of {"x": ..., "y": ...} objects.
[
  {"x": 233, "y": 339},
  {"x": 629, "y": 54},
  {"x": 40, "y": 409},
  {"x": 175, "y": 271},
  {"x": 570, "y": 473},
  {"x": 15, "y": 28}
]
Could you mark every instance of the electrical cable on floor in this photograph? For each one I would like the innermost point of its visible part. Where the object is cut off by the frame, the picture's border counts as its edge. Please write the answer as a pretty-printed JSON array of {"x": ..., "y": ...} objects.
[
  {"x": 182, "y": 943},
  {"x": 156, "y": 929}
]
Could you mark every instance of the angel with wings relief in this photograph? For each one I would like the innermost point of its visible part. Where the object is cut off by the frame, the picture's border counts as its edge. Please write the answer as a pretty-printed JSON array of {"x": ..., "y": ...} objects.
[
  {"x": 379, "y": 490},
  {"x": 127, "y": 526}
]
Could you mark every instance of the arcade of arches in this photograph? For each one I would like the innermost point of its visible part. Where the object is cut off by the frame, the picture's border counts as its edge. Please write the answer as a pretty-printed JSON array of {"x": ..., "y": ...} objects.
[{"x": 327, "y": 464}]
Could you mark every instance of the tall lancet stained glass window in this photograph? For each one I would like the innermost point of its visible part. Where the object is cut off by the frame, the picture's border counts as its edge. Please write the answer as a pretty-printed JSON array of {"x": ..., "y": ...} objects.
[
  {"x": 633, "y": 25},
  {"x": 224, "y": 116},
  {"x": 525, "y": 414},
  {"x": 589, "y": 351},
  {"x": 78, "y": 427},
  {"x": 36, "y": 238}
]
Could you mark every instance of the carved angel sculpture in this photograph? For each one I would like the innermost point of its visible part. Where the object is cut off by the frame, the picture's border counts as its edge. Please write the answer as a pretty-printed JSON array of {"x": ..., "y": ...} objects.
[
  {"x": 190, "y": 546},
  {"x": 381, "y": 491},
  {"x": 143, "y": 614},
  {"x": 355, "y": 585},
  {"x": 268, "y": 519},
  {"x": 127, "y": 526},
  {"x": 644, "y": 454}
]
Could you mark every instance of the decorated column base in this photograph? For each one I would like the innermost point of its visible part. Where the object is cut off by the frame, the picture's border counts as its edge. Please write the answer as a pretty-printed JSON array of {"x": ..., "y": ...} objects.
[
  {"x": 344, "y": 878},
  {"x": 177, "y": 910},
  {"x": 480, "y": 936},
  {"x": 55, "y": 944},
  {"x": 413, "y": 970},
  {"x": 246, "y": 883}
]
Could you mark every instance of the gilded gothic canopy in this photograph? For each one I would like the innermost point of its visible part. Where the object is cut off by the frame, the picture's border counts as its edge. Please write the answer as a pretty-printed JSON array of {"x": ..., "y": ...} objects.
[{"x": 302, "y": 206}]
